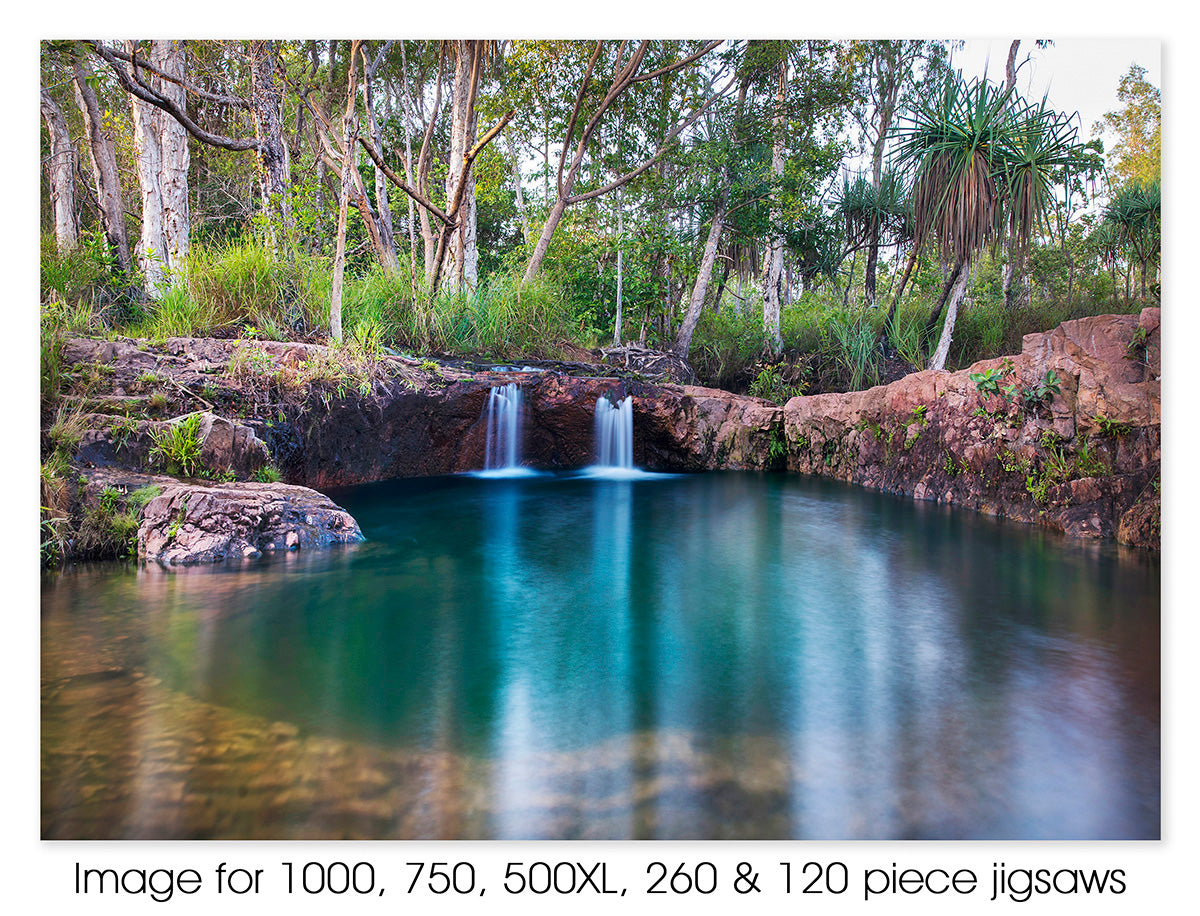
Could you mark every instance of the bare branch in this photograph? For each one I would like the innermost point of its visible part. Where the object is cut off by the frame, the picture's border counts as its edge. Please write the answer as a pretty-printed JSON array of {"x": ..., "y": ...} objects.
[
  {"x": 401, "y": 184},
  {"x": 200, "y": 93},
  {"x": 708, "y": 46},
  {"x": 134, "y": 85},
  {"x": 587, "y": 76},
  {"x": 663, "y": 147}
]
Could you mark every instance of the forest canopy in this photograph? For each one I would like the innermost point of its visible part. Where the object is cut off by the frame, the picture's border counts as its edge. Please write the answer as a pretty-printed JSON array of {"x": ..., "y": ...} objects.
[{"x": 786, "y": 215}]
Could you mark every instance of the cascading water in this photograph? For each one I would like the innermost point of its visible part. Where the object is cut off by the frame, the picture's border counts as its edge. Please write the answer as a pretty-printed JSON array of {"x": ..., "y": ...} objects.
[
  {"x": 503, "y": 430},
  {"x": 614, "y": 434}
]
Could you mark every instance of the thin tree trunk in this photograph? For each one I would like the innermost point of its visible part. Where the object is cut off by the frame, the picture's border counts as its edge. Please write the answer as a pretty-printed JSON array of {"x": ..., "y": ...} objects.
[
  {"x": 162, "y": 162},
  {"x": 463, "y": 251},
  {"x": 620, "y": 265},
  {"x": 267, "y": 108},
  {"x": 683, "y": 341},
  {"x": 348, "y": 157},
  {"x": 1010, "y": 267},
  {"x": 773, "y": 281},
  {"x": 956, "y": 295},
  {"x": 104, "y": 166},
  {"x": 383, "y": 220},
  {"x": 626, "y": 76},
  {"x": 61, "y": 168},
  {"x": 408, "y": 170},
  {"x": 951, "y": 280}
]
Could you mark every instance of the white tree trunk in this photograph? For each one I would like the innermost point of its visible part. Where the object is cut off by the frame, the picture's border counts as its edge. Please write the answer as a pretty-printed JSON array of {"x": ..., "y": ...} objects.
[
  {"x": 61, "y": 169},
  {"x": 463, "y": 250},
  {"x": 683, "y": 341},
  {"x": 161, "y": 143},
  {"x": 348, "y": 164},
  {"x": 176, "y": 160},
  {"x": 956, "y": 295},
  {"x": 104, "y": 165},
  {"x": 619, "y": 197},
  {"x": 773, "y": 281},
  {"x": 150, "y": 249}
]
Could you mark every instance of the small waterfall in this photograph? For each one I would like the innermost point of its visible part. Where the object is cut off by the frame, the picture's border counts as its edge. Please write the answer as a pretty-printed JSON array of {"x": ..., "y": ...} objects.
[
  {"x": 503, "y": 428},
  {"x": 614, "y": 433}
]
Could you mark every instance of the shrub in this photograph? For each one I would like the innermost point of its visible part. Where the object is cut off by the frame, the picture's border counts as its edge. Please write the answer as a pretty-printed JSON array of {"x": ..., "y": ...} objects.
[{"x": 178, "y": 446}]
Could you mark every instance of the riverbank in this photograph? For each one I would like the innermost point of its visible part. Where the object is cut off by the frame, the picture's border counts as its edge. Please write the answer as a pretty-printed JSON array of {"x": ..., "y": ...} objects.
[{"x": 1065, "y": 434}]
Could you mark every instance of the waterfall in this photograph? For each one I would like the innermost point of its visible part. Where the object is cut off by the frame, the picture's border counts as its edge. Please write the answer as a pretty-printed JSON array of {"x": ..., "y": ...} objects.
[
  {"x": 503, "y": 428},
  {"x": 614, "y": 433}
]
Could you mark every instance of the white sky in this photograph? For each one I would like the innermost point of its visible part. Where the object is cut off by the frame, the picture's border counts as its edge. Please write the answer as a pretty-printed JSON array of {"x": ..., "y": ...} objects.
[{"x": 1079, "y": 74}]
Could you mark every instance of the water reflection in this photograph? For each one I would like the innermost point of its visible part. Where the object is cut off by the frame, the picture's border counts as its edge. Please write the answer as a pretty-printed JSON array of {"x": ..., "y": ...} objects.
[{"x": 718, "y": 656}]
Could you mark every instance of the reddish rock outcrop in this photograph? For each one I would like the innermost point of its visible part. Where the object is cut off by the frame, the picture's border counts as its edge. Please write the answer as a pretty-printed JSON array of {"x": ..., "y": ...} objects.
[
  {"x": 189, "y": 523},
  {"x": 403, "y": 417},
  {"x": 1079, "y": 461}
]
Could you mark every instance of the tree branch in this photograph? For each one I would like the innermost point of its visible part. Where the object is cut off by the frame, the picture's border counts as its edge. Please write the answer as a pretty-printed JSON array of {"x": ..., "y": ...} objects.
[
  {"x": 666, "y": 143},
  {"x": 140, "y": 62},
  {"x": 136, "y": 87}
]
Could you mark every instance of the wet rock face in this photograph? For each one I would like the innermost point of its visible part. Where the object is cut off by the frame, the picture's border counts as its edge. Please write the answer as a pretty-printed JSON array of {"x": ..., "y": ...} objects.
[
  {"x": 443, "y": 430},
  {"x": 414, "y": 419},
  {"x": 1079, "y": 461}
]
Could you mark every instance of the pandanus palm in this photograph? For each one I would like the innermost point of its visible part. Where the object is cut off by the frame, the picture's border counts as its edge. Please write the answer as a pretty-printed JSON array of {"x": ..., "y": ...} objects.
[
  {"x": 982, "y": 160},
  {"x": 1135, "y": 213}
]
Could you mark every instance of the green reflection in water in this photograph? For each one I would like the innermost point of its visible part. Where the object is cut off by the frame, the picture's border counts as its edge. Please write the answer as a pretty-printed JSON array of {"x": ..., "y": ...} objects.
[{"x": 726, "y": 655}]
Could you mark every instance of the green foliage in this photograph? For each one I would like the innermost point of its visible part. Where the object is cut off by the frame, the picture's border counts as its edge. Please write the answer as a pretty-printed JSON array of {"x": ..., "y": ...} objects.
[
  {"x": 268, "y": 473},
  {"x": 854, "y": 349},
  {"x": 109, "y": 528},
  {"x": 67, "y": 430},
  {"x": 726, "y": 344},
  {"x": 1136, "y": 348},
  {"x": 1111, "y": 429},
  {"x": 988, "y": 381},
  {"x": 1138, "y": 124},
  {"x": 83, "y": 279},
  {"x": 770, "y": 385},
  {"x": 178, "y": 446},
  {"x": 954, "y": 466}
]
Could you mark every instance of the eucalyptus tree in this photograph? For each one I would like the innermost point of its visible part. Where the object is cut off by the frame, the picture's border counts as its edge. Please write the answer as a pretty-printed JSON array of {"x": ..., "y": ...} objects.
[
  {"x": 589, "y": 113},
  {"x": 728, "y": 145},
  {"x": 981, "y": 159},
  {"x": 61, "y": 170},
  {"x": 103, "y": 154},
  {"x": 1138, "y": 126},
  {"x": 264, "y": 104},
  {"x": 806, "y": 115},
  {"x": 349, "y": 169},
  {"x": 890, "y": 73},
  {"x": 163, "y": 158},
  {"x": 371, "y": 73}
]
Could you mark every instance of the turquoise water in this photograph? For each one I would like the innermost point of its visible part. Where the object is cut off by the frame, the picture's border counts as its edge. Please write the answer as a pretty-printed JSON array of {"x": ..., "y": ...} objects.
[{"x": 719, "y": 655}]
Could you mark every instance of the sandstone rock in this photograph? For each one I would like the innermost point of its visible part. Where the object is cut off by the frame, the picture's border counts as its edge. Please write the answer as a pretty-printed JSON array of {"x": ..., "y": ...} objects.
[
  {"x": 225, "y": 446},
  {"x": 934, "y": 436},
  {"x": 189, "y": 523}
]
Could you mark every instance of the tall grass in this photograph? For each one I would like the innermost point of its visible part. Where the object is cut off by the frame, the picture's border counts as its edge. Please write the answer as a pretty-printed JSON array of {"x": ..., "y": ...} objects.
[
  {"x": 501, "y": 318},
  {"x": 226, "y": 289}
]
